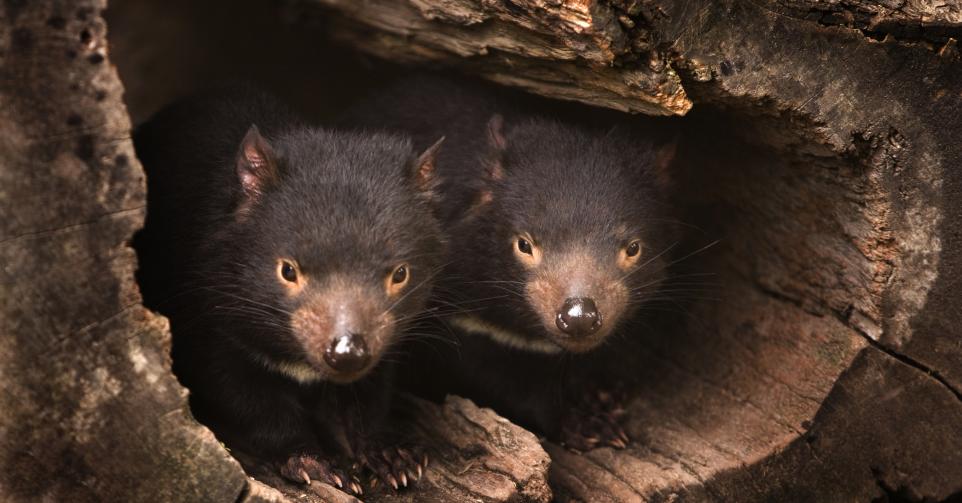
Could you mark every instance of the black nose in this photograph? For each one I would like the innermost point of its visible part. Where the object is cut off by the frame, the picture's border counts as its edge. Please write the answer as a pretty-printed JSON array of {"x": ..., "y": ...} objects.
[
  {"x": 347, "y": 353},
  {"x": 578, "y": 317}
]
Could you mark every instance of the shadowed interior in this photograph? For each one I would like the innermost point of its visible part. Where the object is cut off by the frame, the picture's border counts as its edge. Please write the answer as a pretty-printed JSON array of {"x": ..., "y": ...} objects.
[{"x": 746, "y": 341}]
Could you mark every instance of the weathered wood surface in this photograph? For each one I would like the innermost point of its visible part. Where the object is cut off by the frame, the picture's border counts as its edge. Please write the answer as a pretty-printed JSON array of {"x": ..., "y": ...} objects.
[
  {"x": 908, "y": 20},
  {"x": 476, "y": 455},
  {"x": 88, "y": 408},
  {"x": 572, "y": 50},
  {"x": 829, "y": 367}
]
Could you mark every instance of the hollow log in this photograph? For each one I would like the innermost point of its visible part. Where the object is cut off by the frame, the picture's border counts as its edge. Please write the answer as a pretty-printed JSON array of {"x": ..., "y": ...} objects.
[
  {"x": 828, "y": 367},
  {"x": 819, "y": 141}
]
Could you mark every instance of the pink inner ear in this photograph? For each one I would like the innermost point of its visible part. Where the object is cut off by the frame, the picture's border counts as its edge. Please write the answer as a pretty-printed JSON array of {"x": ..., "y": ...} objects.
[
  {"x": 249, "y": 182},
  {"x": 496, "y": 132},
  {"x": 254, "y": 156},
  {"x": 254, "y": 163},
  {"x": 664, "y": 158}
]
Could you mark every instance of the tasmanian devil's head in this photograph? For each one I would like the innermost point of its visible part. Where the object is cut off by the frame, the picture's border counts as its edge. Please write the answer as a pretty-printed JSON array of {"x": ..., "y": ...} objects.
[
  {"x": 332, "y": 249},
  {"x": 571, "y": 230}
]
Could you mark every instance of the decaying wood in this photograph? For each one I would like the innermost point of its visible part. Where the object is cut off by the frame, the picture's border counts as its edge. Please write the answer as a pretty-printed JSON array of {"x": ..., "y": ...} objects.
[
  {"x": 476, "y": 455},
  {"x": 912, "y": 20},
  {"x": 819, "y": 148},
  {"x": 572, "y": 50},
  {"x": 836, "y": 257},
  {"x": 88, "y": 408}
]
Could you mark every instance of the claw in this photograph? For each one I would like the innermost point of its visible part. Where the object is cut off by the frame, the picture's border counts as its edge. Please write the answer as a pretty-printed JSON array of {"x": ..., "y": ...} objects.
[
  {"x": 425, "y": 463},
  {"x": 304, "y": 477},
  {"x": 393, "y": 482},
  {"x": 373, "y": 482},
  {"x": 420, "y": 472},
  {"x": 404, "y": 479},
  {"x": 337, "y": 481},
  {"x": 356, "y": 488}
]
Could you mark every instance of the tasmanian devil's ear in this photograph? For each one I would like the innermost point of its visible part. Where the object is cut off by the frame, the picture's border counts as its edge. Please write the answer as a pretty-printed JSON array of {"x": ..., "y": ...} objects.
[
  {"x": 496, "y": 132},
  {"x": 424, "y": 172},
  {"x": 662, "y": 163},
  {"x": 493, "y": 162},
  {"x": 498, "y": 144},
  {"x": 256, "y": 166}
]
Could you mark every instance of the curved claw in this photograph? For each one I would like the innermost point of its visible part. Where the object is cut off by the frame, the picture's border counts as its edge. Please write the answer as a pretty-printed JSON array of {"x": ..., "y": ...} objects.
[
  {"x": 397, "y": 467},
  {"x": 305, "y": 468},
  {"x": 356, "y": 488}
]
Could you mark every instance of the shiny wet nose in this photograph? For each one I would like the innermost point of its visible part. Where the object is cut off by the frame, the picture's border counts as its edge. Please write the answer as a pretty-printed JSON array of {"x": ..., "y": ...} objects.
[
  {"x": 347, "y": 353},
  {"x": 579, "y": 317}
]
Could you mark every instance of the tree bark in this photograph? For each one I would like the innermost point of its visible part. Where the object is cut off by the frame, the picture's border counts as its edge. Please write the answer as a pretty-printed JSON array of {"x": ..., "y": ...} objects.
[
  {"x": 476, "y": 455},
  {"x": 88, "y": 408}
]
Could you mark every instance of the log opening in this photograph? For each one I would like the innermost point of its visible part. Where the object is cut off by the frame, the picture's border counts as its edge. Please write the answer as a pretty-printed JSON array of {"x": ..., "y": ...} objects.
[{"x": 811, "y": 235}]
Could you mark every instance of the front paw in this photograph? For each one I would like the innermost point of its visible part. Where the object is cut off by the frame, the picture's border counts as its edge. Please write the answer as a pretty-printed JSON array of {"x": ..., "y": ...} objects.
[
  {"x": 595, "y": 421},
  {"x": 394, "y": 466},
  {"x": 303, "y": 468}
]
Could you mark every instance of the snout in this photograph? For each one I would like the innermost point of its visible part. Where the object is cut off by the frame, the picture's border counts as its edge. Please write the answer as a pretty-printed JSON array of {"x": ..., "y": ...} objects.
[
  {"x": 578, "y": 301},
  {"x": 578, "y": 317},
  {"x": 348, "y": 353},
  {"x": 343, "y": 331}
]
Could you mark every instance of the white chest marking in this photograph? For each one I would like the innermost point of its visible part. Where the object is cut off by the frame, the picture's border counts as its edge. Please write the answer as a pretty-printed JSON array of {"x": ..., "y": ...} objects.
[
  {"x": 301, "y": 372},
  {"x": 504, "y": 337}
]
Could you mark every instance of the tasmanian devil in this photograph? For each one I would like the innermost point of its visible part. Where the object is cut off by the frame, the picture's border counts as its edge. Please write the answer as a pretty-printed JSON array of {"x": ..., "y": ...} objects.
[
  {"x": 558, "y": 234},
  {"x": 288, "y": 260}
]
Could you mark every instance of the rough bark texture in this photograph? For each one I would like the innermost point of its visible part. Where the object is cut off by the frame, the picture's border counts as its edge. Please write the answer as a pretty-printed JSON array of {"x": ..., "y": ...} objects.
[
  {"x": 820, "y": 148},
  {"x": 829, "y": 366},
  {"x": 476, "y": 456},
  {"x": 570, "y": 50},
  {"x": 89, "y": 410}
]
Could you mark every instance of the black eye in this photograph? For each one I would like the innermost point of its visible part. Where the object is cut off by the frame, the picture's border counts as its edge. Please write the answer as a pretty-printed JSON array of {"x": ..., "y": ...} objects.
[
  {"x": 633, "y": 249},
  {"x": 288, "y": 272},
  {"x": 400, "y": 275},
  {"x": 524, "y": 246}
]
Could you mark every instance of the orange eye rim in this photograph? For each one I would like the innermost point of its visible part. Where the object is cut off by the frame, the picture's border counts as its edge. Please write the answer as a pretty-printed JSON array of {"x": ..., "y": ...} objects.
[
  {"x": 286, "y": 267},
  {"x": 629, "y": 254},
  {"x": 530, "y": 257},
  {"x": 393, "y": 285}
]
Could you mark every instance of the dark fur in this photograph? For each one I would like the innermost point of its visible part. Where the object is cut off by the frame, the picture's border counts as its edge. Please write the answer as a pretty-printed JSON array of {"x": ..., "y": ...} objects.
[
  {"x": 564, "y": 183},
  {"x": 343, "y": 203}
]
